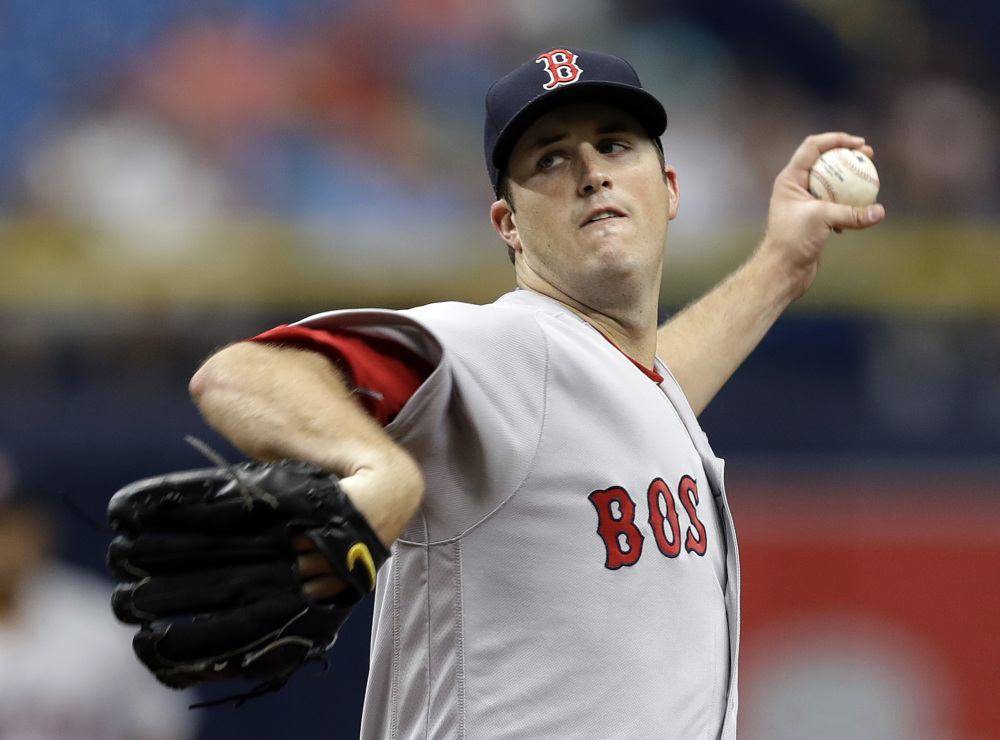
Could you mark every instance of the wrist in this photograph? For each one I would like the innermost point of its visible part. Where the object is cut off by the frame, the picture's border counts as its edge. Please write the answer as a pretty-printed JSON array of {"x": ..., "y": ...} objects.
[
  {"x": 387, "y": 489},
  {"x": 775, "y": 270}
]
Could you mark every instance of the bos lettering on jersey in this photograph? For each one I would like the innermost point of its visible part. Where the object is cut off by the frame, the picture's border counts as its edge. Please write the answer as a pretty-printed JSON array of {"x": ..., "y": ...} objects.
[
  {"x": 623, "y": 541},
  {"x": 561, "y": 66}
]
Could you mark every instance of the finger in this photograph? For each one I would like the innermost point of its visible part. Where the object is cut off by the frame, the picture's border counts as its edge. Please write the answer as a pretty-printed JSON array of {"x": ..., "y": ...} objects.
[
  {"x": 169, "y": 649},
  {"x": 200, "y": 592},
  {"x": 810, "y": 149},
  {"x": 129, "y": 508},
  {"x": 843, "y": 217},
  {"x": 313, "y": 564},
  {"x": 131, "y": 558},
  {"x": 310, "y": 561},
  {"x": 318, "y": 580},
  {"x": 323, "y": 587}
]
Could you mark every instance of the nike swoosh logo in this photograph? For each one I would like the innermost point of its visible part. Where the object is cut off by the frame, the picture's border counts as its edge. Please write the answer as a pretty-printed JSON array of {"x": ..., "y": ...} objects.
[{"x": 359, "y": 551}]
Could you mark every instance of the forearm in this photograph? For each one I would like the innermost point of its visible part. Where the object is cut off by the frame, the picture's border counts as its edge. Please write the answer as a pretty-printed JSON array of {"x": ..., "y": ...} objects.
[
  {"x": 275, "y": 402},
  {"x": 704, "y": 344}
]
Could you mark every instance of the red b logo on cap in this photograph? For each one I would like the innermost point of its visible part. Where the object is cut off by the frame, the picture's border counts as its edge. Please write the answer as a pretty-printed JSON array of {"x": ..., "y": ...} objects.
[{"x": 561, "y": 66}]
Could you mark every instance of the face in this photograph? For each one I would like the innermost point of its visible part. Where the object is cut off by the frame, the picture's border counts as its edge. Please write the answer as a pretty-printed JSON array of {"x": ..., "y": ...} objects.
[{"x": 591, "y": 204}]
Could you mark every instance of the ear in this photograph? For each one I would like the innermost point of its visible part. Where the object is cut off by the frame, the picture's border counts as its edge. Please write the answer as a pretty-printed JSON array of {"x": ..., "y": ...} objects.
[
  {"x": 503, "y": 220},
  {"x": 673, "y": 189}
]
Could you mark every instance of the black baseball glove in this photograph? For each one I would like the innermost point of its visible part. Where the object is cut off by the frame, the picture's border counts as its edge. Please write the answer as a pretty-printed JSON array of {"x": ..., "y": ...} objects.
[{"x": 210, "y": 570}]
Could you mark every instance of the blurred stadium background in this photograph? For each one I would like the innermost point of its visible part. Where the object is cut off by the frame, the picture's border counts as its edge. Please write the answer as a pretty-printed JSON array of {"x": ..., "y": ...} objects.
[{"x": 175, "y": 175}]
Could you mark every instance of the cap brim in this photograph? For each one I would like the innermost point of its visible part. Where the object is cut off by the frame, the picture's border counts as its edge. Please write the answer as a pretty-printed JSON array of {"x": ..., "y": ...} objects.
[{"x": 635, "y": 101}]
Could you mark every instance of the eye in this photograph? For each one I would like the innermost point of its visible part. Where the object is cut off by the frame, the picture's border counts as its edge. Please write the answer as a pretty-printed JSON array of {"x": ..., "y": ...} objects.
[
  {"x": 548, "y": 161},
  {"x": 611, "y": 147}
]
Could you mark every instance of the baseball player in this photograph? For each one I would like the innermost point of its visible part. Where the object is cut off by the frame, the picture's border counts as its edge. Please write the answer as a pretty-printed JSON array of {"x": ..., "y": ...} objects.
[
  {"x": 563, "y": 559},
  {"x": 66, "y": 670}
]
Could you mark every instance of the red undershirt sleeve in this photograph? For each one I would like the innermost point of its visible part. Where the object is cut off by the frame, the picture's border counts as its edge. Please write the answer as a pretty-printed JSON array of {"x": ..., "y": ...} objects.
[{"x": 383, "y": 373}]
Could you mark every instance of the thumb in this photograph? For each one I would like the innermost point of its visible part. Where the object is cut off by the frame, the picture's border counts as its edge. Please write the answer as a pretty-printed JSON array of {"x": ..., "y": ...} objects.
[{"x": 855, "y": 218}]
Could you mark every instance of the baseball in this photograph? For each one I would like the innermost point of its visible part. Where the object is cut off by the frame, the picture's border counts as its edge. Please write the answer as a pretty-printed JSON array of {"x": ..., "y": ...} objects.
[{"x": 844, "y": 176}]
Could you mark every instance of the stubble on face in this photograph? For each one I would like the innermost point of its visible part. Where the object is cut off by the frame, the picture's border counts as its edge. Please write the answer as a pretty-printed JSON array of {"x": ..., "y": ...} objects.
[{"x": 593, "y": 203}]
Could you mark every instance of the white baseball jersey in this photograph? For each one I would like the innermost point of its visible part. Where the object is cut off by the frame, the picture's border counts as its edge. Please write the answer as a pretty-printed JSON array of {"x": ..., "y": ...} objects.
[
  {"x": 572, "y": 572},
  {"x": 67, "y": 671}
]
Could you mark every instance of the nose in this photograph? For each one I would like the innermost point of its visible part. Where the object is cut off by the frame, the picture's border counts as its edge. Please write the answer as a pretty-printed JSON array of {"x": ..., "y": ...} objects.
[{"x": 592, "y": 173}]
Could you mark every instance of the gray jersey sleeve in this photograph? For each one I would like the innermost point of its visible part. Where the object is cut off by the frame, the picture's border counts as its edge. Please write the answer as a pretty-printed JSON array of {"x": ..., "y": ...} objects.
[{"x": 474, "y": 424}]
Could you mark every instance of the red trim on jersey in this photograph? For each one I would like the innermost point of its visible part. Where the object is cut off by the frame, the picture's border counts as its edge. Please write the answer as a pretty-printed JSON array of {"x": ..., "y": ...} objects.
[
  {"x": 385, "y": 373},
  {"x": 651, "y": 374}
]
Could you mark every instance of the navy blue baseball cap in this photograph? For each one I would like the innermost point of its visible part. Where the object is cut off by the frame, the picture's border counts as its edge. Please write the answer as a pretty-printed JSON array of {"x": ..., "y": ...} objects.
[{"x": 558, "y": 77}]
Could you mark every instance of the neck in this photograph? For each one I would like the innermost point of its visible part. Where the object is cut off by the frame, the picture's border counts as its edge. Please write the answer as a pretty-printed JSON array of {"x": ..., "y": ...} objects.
[{"x": 631, "y": 324}]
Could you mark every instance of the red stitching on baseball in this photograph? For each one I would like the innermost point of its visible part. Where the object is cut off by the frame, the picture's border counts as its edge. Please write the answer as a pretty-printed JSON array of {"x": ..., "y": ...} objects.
[
  {"x": 831, "y": 191},
  {"x": 852, "y": 165}
]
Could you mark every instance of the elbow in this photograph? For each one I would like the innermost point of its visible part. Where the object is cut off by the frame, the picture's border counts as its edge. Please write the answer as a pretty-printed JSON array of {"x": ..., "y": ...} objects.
[
  {"x": 214, "y": 376},
  {"x": 203, "y": 380},
  {"x": 199, "y": 383}
]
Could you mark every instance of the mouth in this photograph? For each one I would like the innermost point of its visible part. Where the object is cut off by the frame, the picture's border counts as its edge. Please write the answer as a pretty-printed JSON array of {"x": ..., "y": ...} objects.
[{"x": 601, "y": 214}]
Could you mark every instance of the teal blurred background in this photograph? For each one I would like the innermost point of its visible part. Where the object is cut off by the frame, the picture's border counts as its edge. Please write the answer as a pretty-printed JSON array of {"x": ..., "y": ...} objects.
[{"x": 176, "y": 175}]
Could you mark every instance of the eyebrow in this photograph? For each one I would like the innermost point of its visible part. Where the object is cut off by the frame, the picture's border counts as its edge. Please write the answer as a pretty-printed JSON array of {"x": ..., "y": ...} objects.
[{"x": 613, "y": 126}]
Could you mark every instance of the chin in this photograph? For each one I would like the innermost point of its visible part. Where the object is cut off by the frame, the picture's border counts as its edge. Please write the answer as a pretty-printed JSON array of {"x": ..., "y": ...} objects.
[
  {"x": 613, "y": 276},
  {"x": 617, "y": 260}
]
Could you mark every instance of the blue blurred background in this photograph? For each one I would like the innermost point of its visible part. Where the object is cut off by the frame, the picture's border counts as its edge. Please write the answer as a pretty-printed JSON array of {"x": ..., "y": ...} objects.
[{"x": 175, "y": 175}]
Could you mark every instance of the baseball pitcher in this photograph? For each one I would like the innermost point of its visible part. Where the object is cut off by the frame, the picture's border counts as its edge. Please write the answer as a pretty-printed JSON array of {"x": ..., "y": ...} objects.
[{"x": 549, "y": 525}]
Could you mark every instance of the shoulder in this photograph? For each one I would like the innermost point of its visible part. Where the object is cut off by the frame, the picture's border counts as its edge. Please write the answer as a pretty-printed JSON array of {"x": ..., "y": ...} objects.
[
  {"x": 429, "y": 328},
  {"x": 520, "y": 325},
  {"x": 516, "y": 306},
  {"x": 510, "y": 312}
]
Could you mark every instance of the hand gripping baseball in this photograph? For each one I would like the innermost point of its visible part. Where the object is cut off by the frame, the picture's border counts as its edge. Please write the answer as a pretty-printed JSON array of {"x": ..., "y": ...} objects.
[
  {"x": 211, "y": 574},
  {"x": 799, "y": 225}
]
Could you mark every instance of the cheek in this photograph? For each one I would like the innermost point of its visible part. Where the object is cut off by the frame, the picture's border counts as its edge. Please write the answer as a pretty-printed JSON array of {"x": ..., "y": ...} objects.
[
  {"x": 661, "y": 205},
  {"x": 534, "y": 227}
]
